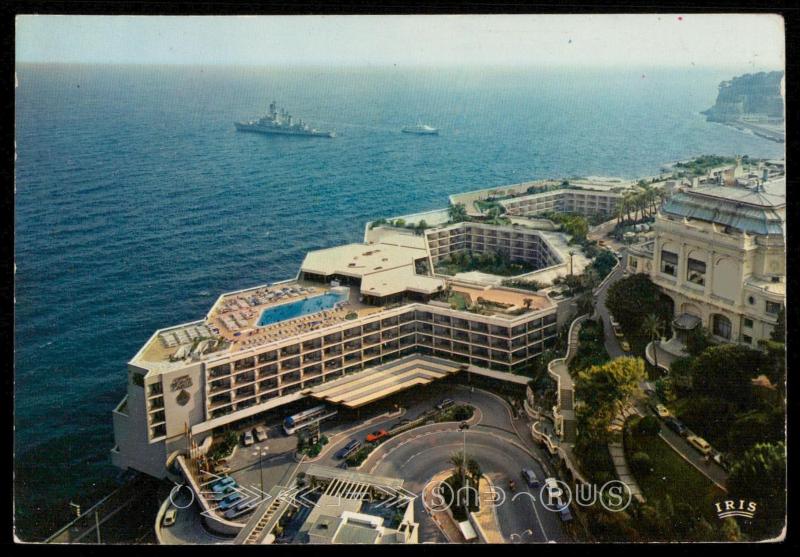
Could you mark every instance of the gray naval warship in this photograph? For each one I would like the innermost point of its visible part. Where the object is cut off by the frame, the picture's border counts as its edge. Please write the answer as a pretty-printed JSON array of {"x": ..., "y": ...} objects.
[{"x": 279, "y": 121}]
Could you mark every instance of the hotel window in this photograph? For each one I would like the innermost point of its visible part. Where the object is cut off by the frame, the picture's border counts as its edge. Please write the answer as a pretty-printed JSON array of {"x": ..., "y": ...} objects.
[
  {"x": 696, "y": 271},
  {"x": 632, "y": 263},
  {"x": 773, "y": 308},
  {"x": 748, "y": 323},
  {"x": 669, "y": 263},
  {"x": 747, "y": 340},
  {"x": 722, "y": 326}
]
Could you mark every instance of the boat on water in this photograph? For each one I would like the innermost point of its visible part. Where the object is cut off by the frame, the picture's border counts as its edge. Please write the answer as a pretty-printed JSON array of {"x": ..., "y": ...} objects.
[
  {"x": 280, "y": 122},
  {"x": 421, "y": 129}
]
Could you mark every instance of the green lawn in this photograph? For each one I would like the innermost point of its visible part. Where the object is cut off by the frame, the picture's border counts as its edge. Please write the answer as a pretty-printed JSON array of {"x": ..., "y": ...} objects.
[
  {"x": 460, "y": 300},
  {"x": 673, "y": 476}
]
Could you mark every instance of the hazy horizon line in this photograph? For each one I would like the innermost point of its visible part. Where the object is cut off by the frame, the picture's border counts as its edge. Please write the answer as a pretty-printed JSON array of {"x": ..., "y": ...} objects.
[{"x": 317, "y": 65}]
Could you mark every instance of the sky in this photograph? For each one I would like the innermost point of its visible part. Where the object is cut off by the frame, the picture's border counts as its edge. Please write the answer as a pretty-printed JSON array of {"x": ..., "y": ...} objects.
[{"x": 751, "y": 42}]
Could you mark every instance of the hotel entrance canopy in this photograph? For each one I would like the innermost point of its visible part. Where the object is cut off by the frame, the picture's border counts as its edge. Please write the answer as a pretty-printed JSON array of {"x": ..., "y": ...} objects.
[{"x": 358, "y": 389}]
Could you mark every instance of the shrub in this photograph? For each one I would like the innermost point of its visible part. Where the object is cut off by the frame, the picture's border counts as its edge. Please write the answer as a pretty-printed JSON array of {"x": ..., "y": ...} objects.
[
  {"x": 640, "y": 463},
  {"x": 648, "y": 426}
]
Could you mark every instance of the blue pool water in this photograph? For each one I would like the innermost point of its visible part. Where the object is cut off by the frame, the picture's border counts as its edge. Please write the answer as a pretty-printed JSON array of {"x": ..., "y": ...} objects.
[
  {"x": 137, "y": 203},
  {"x": 299, "y": 308}
]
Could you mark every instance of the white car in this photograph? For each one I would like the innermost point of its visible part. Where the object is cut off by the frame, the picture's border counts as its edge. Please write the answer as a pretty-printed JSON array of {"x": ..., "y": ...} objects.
[
  {"x": 248, "y": 438},
  {"x": 170, "y": 516}
]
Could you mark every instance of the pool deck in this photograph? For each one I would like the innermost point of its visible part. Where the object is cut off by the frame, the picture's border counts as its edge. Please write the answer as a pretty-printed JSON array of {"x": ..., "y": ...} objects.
[{"x": 234, "y": 318}]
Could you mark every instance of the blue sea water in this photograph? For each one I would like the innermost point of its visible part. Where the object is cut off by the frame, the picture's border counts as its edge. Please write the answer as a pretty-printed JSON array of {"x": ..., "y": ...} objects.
[{"x": 137, "y": 203}]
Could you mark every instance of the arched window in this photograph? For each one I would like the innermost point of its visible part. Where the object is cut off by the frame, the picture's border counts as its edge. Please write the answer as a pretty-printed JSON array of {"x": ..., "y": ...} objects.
[{"x": 721, "y": 326}]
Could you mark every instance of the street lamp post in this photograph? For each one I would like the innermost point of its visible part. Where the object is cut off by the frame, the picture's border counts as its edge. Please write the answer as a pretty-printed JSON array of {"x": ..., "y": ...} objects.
[
  {"x": 464, "y": 426},
  {"x": 260, "y": 452}
]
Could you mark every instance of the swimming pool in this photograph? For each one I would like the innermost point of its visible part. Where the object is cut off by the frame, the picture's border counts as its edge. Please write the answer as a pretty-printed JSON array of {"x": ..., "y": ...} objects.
[{"x": 299, "y": 308}]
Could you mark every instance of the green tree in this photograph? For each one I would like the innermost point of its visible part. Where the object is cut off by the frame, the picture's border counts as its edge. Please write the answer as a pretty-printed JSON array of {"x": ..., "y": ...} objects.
[
  {"x": 697, "y": 340},
  {"x": 603, "y": 263},
  {"x": 457, "y": 212},
  {"x": 652, "y": 327},
  {"x": 681, "y": 371},
  {"x": 760, "y": 476},
  {"x": 726, "y": 371},
  {"x": 474, "y": 471},
  {"x": 630, "y": 299},
  {"x": 610, "y": 383},
  {"x": 648, "y": 426}
]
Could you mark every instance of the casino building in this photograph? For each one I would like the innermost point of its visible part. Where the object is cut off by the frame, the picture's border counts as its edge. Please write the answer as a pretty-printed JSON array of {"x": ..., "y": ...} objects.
[{"x": 719, "y": 253}]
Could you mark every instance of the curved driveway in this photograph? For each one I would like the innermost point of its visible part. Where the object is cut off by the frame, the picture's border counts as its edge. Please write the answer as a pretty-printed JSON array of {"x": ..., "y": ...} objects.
[
  {"x": 418, "y": 455},
  {"x": 492, "y": 440}
]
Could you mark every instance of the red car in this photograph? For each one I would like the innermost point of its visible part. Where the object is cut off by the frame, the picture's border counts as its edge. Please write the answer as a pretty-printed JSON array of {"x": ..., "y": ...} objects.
[{"x": 376, "y": 435}]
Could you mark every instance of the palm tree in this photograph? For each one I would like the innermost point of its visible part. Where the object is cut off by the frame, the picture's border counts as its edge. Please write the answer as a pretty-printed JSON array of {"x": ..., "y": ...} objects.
[
  {"x": 474, "y": 471},
  {"x": 457, "y": 212},
  {"x": 652, "y": 326},
  {"x": 628, "y": 204},
  {"x": 457, "y": 460}
]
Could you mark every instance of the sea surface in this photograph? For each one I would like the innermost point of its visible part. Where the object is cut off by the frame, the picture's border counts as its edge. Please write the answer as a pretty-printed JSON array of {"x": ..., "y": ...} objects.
[{"x": 137, "y": 203}]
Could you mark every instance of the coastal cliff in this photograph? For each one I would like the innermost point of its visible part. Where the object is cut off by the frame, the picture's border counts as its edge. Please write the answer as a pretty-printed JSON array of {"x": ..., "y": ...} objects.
[{"x": 751, "y": 102}]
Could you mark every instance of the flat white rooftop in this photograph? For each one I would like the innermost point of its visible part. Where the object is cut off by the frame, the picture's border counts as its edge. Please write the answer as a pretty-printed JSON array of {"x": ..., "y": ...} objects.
[{"x": 384, "y": 269}]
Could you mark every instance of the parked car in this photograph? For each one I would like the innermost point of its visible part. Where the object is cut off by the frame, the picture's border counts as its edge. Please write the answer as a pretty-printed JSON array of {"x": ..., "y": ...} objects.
[
  {"x": 348, "y": 449},
  {"x": 700, "y": 444},
  {"x": 565, "y": 515},
  {"x": 247, "y": 438},
  {"x": 261, "y": 433},
  {"x": 530, "y": 477},
  {"x": 662, "y": 411},
  {"x": 377, "y": 435},
  {"x": 625, "y": 346},
  {"x": 512, "y": 485},
  {"x": 221, "y": 468},
  {"x": 240, "y": 509},
  {"x": 169, "y": 517},
  {"x": 446, "y": 403},
  {"x": 225, "y": 493},
  {"x": 617, "y": 331},
  {"x": 230, "y": 501},
  {"x": 400, "y": 423},
  {"x": 677, "y": 426},
  {"x": 220, "y": 485}
]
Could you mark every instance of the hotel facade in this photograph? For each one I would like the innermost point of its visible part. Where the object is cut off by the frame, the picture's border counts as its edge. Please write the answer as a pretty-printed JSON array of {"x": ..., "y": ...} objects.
[{"x": 350, "y": 309}]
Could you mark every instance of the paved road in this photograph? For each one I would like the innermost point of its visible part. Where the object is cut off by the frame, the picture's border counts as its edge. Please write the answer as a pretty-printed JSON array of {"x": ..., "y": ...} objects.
[
  {"x": 188, "y": 528},
  {"x": 500, "y": 440},
  {"x": 611, "y": 343},
  {"x": 419, "y": 455}
]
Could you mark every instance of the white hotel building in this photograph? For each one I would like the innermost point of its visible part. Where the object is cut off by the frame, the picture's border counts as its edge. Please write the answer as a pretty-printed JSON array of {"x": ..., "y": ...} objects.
[{"x": 350, "y": 310}]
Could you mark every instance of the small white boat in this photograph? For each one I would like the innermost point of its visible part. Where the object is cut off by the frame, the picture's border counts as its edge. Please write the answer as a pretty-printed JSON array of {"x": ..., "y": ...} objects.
[{"x": 421, "y": 129}]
